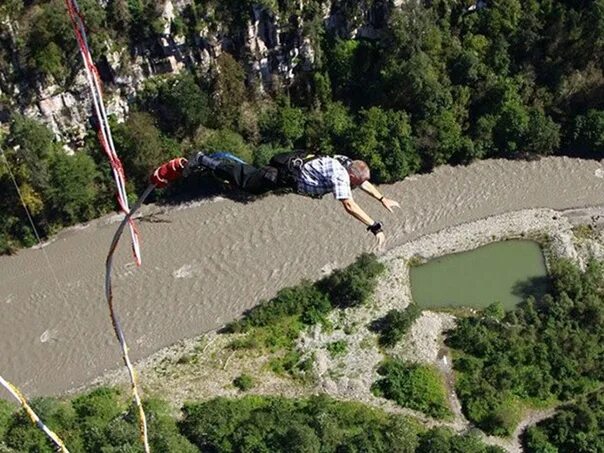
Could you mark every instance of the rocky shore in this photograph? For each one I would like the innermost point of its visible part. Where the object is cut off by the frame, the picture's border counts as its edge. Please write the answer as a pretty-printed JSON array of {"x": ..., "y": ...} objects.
[{"x": 205, "y": 367}]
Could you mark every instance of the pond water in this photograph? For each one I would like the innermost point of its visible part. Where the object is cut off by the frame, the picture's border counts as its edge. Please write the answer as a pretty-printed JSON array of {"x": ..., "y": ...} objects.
[{"x": 505, "y": 272}]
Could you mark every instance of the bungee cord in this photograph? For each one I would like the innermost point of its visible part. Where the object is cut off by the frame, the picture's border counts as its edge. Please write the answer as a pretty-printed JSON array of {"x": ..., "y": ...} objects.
[
  {"x": 33, "y": 416},
  {"x": 12, "y": 389},
  {"x": 161, "y": 177},
  {"x": 168, "y": 172},
  {"x": 106, "y": 141},
  {"x": 104, "y": 131},
  {"x": 119, "y": 333}
]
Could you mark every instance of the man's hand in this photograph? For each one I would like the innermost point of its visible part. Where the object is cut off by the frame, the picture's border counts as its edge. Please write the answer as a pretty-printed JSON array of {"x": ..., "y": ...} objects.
[
  {"x": 380, "y": 238},
  {"x": 389, "y": 204}
]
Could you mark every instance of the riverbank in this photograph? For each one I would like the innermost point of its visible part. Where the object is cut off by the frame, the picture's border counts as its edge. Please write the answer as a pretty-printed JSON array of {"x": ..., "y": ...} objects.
[
  {"x": 206, "y": 263},
  {"x": 206, "y": 366}
]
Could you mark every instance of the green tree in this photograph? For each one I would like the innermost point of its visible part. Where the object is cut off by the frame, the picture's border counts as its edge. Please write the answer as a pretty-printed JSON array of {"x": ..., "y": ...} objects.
[
  {"x": 589, "y": 132},
  {"x": 543, "y": 350},
  {"x": 141, "y": 147},
  {"x": 384, "y": 141},
  {"x": 118, "y": 14},
  {"x": 543, "y": 134},
  {"x": 282, "y": 124},
  {"x": 72, "y": 189},
  {"x": 178, "y": 102},
  {"x": 23, "y": 435},
  {"x": 35, "y": 143},
  {"x": 575, "y": 427},
  {"x": 211, "y": 141},
  {"x": 439, "y": 138},
  {"x": 48, "y": 40},
  {"x": 264, "y": 153},
  {"x": 329, "y": 131},
  {"x": 418, "y": 387},
  {"x": 229, "y": 91},
  {"x": 144, "y": 19}
]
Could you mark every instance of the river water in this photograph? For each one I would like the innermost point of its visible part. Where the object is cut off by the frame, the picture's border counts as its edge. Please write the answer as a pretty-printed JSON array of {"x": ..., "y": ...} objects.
[{"x": 205, "y": 263}]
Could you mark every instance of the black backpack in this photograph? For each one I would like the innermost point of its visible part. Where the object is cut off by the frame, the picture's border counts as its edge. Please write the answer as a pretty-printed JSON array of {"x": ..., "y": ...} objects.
[{"x": 289, "y": 165}]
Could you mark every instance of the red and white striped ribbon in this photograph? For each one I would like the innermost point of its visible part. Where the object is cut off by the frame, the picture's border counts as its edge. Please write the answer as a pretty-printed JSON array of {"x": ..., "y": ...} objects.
[{"x": 104, "y": 131}]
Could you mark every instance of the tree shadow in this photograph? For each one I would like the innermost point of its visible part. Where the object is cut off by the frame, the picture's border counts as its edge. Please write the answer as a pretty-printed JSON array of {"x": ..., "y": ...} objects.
[
  {"x": 154, "y": 217},
  {"x": 378, "y": 325},
  {"x": 533, "y": 286}
]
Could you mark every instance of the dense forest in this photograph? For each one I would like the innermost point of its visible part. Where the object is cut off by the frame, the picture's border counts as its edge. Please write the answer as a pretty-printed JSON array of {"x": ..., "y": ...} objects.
[
  {"x": 576, "y": 427},
  {"x": 543, "y": 352},
  {"x": 102, "y": 421},
  {"x": 435, "y": 84}
]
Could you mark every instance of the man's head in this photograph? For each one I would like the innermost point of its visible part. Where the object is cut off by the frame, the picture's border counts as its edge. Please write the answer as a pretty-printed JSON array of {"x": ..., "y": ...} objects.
[{"x": 358, "y": 172}]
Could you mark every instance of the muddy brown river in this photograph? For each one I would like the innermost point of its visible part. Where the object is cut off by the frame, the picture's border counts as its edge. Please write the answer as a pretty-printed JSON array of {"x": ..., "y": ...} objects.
[{"x": 205, "y": 263}]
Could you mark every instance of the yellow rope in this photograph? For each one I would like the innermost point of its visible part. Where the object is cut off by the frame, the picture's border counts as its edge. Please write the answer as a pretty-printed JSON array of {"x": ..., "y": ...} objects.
[{"x": 32, "y": 415}]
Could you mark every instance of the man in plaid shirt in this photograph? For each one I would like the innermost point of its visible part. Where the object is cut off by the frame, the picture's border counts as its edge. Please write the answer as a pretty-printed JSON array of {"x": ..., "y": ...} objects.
[{"x": 310, "y": 175}]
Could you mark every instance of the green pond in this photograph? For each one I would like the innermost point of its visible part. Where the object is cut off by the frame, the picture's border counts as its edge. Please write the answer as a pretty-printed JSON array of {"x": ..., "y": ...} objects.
[{"x": 505, "y": 272}]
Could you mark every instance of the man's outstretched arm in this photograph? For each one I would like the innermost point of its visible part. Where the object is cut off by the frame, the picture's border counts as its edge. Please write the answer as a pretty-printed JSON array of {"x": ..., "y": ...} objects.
[
  {"x": 375, "y": 193},
  {"x": 358, "y": 213}
]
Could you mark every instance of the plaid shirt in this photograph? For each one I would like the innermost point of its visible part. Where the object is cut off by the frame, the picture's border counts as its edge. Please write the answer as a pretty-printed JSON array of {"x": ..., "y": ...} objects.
[{"x": 323, "y": 175}]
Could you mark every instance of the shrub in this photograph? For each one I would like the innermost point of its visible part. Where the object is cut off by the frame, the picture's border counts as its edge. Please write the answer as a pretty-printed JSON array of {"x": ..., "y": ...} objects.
[
  {"x": 294, "y": 301},
  {"x": 337, "y": 348},
  {"x": 445, "y": 440},
  {"x": 281, "y": 425},
  {"x": 576, "y": 427},
  {"x": 292, "y": 363},
  {"x": 243, "y": 382},
  {"x": 6, "y": 414},
  {"x": 353, "y": 285},
  {"x": 395, "y": 324},
  {"x": 418, "y": 387}
]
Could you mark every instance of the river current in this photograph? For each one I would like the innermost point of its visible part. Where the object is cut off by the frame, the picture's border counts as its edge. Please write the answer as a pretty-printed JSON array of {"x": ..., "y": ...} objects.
[{"x": 207, "y": 262}]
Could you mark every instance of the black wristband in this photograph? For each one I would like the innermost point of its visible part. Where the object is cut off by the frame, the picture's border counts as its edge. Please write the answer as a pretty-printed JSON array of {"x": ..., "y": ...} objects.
[
  {"x": 375, "y": 228},
  {"x": 381, "y": 198}
]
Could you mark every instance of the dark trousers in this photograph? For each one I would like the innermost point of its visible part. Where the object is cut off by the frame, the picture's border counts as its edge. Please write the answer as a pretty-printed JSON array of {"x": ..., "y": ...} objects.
[{"x": 247, "y": 177}]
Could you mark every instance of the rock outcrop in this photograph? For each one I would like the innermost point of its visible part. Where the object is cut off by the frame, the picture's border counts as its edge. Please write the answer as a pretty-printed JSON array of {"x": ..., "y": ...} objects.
[{"x": 272, "y": 47}]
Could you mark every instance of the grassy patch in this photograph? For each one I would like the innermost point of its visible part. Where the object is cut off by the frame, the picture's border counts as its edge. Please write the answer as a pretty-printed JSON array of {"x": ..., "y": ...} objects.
[
  {"x": 244, "y": 382},
  {"x": 337, "y": 348},
  {"x": 275, "y": 325},
  {"x": 418, "y": 387},
  {"x": 186, "y": 359},
  {"x": 415, "y": 260},
  {"x": 293, "y": 363},
  {"x": 246, "y": 342},
  {"x": 585, "y": 232}
]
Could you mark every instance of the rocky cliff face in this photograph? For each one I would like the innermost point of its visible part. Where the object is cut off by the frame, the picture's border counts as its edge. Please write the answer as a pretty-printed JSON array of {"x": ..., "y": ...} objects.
[{"x": 272, "y": 48}]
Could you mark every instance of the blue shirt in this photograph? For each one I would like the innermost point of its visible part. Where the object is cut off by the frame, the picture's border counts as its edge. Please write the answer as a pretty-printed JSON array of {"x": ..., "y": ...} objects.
[{"x": 323, "y": 175}]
